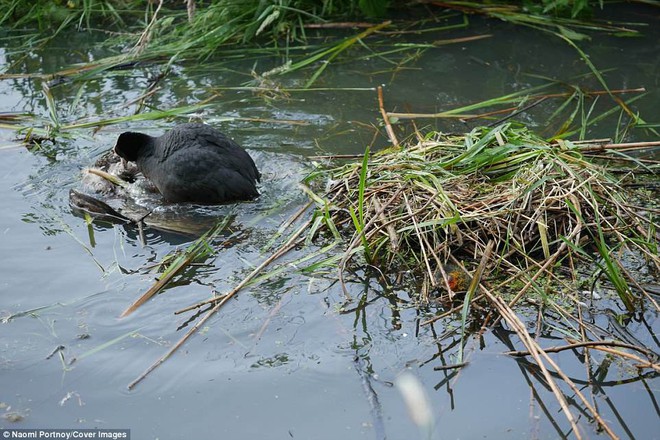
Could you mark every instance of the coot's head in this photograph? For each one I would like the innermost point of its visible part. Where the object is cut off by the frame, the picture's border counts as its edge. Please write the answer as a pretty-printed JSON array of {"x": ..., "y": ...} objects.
[{"x": 132, "y": 145}]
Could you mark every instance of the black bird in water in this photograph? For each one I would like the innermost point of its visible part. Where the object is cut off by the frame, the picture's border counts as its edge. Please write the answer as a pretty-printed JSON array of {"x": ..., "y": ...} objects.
[{"x": 192, "y": 163}]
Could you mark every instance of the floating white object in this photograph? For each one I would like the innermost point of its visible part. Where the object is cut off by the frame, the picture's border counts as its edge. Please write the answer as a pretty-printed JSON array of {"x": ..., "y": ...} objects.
[{"x": 417, "y": 402}]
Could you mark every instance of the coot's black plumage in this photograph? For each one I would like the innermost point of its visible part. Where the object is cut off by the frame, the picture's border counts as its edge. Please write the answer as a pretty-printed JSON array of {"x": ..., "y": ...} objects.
[{"x": 192, "y": 163}]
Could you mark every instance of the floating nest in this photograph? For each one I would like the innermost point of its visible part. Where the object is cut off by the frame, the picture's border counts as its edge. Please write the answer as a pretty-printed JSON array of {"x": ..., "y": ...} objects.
[{"x": 428, "y": 208}]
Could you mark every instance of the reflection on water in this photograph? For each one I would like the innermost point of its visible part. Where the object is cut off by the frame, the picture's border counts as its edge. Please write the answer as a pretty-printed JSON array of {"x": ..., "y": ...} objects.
[{"x": 281, "y": 357}]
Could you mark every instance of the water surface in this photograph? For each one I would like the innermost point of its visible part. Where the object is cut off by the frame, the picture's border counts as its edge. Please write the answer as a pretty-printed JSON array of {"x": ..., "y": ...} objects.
[{"x": 279, "y": 360}]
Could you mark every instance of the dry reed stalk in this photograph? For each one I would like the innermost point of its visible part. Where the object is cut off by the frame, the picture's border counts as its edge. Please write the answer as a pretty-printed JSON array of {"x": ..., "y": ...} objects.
[
  {"x": 539, "y": 356},
  {"x": 143, "y": 41},
  {"x": 190, "y": 9},
  {"x": 573, "y": 344},
  {"x": 386, "y": 119}
]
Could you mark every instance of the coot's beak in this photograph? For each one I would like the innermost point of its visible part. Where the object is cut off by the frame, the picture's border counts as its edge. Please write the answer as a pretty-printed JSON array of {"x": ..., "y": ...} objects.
[{"x": 124, "y": 162}]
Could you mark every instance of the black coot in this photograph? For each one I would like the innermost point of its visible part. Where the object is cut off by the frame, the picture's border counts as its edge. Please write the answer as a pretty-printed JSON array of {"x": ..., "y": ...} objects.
[{"x": 192, "y": 163}]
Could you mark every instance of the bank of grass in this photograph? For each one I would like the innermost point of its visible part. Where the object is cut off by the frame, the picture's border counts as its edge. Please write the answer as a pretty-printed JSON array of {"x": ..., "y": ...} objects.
[
  {"x": 246, "y": 19},
  {"x": 195, "y": 29},
  {"x": 253, "y": 18},
  {"x": 56, "y": 15}
]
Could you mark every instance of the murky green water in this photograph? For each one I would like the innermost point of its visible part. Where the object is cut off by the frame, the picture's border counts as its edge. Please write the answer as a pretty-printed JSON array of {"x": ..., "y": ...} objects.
[{"x": 279, "y": 361}]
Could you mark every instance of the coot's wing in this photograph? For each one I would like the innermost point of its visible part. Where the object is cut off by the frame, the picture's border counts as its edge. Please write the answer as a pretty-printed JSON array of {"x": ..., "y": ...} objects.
[
  {"x": 207, "y": 137},
  {"x": 203, "y": 175}
]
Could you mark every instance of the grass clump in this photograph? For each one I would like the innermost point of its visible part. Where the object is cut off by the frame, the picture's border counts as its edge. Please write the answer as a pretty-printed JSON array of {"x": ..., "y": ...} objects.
[
  {"x": 428, "y": 207},
  {"x": 49, "y": 14}
]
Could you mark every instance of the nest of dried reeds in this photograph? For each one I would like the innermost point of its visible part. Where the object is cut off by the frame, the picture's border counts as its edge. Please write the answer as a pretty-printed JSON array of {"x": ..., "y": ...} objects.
[{"x": 419, "y": 208}]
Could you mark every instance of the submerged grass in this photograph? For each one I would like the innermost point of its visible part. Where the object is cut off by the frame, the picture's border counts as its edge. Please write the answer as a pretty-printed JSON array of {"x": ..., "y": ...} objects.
[
  {"x": 571, "y": 117},
  {"x": 198, "y": 251}
]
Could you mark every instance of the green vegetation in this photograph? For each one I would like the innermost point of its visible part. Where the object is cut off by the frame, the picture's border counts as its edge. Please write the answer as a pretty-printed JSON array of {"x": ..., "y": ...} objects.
[
  {"x": 245, "y": 19},
  {"x": 200, "y": 28},
  {"x": 61, "y": 14},
  {"x": 253, "y": 18}
]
